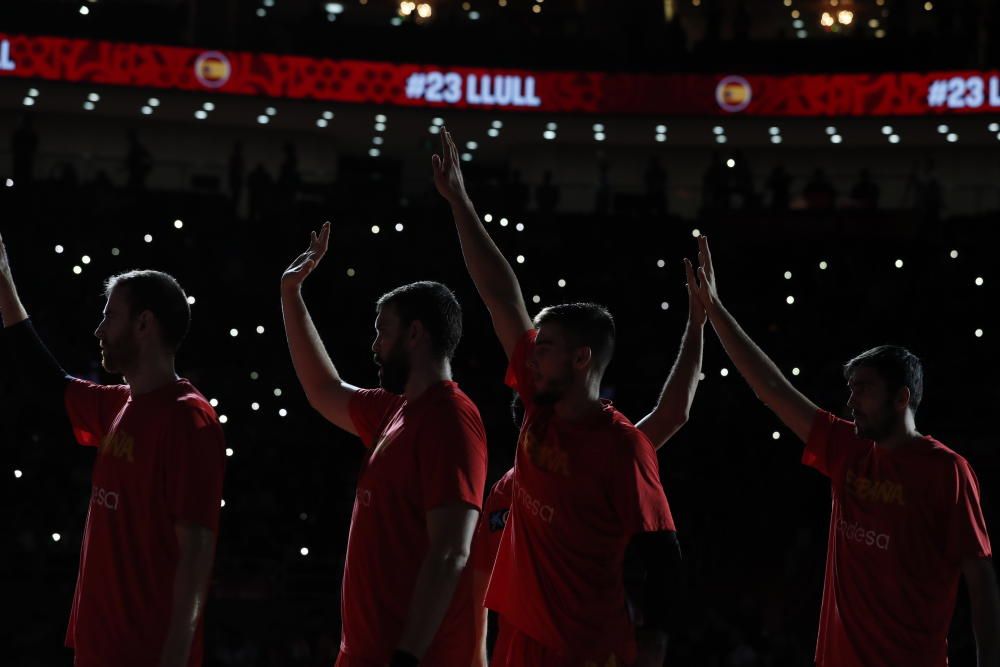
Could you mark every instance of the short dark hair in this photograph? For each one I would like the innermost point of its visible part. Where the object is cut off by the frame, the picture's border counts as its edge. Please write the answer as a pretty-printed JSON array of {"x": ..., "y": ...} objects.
[
  {"x": 434, "y": 306},
  {"x": 160, "y": 294},
  {"x": 897, "y": 366},
  {"x": 588, "y": 324}
]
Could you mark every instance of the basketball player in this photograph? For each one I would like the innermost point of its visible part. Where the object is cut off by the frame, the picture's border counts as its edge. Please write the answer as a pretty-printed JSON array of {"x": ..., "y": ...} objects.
[
  {"x": 906, "y": 523},
  {"x": 405, "y": 598},
  {"x": 152, "y": 524}
]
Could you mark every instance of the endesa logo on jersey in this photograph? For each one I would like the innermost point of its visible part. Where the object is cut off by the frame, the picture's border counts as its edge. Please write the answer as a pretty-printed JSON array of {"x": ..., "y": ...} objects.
[
  {"x": 212, "y": 69},
  {"x": 733, "y": 93}
]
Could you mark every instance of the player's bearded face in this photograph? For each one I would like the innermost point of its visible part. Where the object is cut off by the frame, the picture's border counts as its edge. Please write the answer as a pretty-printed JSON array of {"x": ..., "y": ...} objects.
[
  {"x": 119, "y": 346},
  {"x": 394, "y": 367},
  {"x": 552, "y": 366},
  {"x": 872, "y": 406}
]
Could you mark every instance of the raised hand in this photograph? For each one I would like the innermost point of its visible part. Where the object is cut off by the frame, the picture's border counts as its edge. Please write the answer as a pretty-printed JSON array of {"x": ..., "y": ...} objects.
[
  {"x": 304, "y": 264},
  {"x": 704, "y": 287},
  {"x": 696, "y": 309},
  {"x": 447, "y": 170},
  {"x": 5, "y": 274}
]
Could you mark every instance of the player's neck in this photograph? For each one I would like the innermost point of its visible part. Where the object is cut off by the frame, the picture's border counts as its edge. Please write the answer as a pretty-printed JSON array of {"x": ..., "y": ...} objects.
[
  {"x": 423, "y": 376},
  {"x": 905, "y": 433},
  {"x": 151, "y": 374},
  {"x": 579, "y": 403}
]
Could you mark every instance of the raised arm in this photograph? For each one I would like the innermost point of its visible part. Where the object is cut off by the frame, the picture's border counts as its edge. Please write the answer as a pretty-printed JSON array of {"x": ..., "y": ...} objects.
[
  {"x": 11, "y": 309},
  {"x": 328, "y": 394},
  {"x": 490, "y": 271},
  {"x": 770, "y": 385},
  {"x": 674, "y": 406}
]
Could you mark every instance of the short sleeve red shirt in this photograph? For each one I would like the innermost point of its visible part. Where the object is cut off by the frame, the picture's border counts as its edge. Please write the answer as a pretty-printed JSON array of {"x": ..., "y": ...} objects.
[
  {"x": 496, "y": 509},
  {"x": 422, "y": 455},
  {"x": 580, "y": 491},
  {"x": 901, "y": 524},
  {"x": 160, "y": 460}
]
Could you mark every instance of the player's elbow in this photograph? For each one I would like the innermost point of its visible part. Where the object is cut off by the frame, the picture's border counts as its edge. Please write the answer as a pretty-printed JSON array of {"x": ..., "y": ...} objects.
[{"x": 449, "y": 558}]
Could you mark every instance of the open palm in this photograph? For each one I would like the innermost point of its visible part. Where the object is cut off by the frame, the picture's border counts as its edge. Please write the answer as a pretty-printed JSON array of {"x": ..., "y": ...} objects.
[{"x": 304, "y": 264}]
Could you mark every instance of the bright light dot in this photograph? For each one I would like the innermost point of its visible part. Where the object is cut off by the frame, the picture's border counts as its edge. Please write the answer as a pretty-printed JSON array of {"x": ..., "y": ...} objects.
[
  {"x": 773, "y": 130},
  {"x": 730, "y": 163},
  {"x": 953, "y": 254},
  {"x": 561, "y": 282},
  {"x": 261, "y": 12},
  {"x": 775, "y": 435},
  {"x": 84, "y": 10},
  {"x": 599, "y": 136},
  {"x": 887, "y": 129},
  {"x": 664, "y": 305},
  {"x": 598, "y": 127},
  {"x": 696, "y": 233},
  {"x": 376, "y": 229},
  {"x": 208, "y": 106},
  {"x": 262, "y": 119},
  {"x": 660, "y": 263},
  {"x": 277, "y": 391},
  {"x": 374, "y": 152},
  {"x": 928, "y": 6},
  {"x": 788, "y": 275},
  {"x": 148, "y": 238},
  {"x": 899, "y": 263},
  {"x": 191, "y": 300},
  {"x": 77, "y": 270},
  {"x": 992, "y": 127},
  {"x": 254, "y": 375},
  {"x": 229, "y": 451},
  {"x": 33, "y": 92},
  {"x": 701, "y": 376},
  {"x": 214, "y": 402},
  {"x": 178, "y": 224},
  {"x": 327, "y": 115},
  {"x": 399, "y": 227},
  {"x": 380, "y": 127},
  {"x": 88, "y": 105},
  {"x": 661, "y": 129},
  {"x": 520, "y": 259},
  {"x": 952, "y": 137},
  {"x": 551, "y": 126},
  {"x": 789, "y": 299},
  {"x": 488, "y": 217},
  {"x": 85, "y": 259},
  {"x": 282, "y": 412},
  {"x": 893, "y": 138},
  {"x": 10, "y": 182},
  {"x": 438, "y": 122},
  {"x": 504, "y": 222},
  {"x": 519, "y": 226},
  {"x": 351, "y": 273},
  {"x": 304, "y": 551},
  {"x": 471, "y": 145},
  {"x": 979, "y": 333},
  {"x": 836, "y": 139},
  {"x": 378, "y": 141},
  {"x": 979, "y": 282},
  {"x": 59, "y": 249},
  {"x": 146, "y": 110},
  {"x": 201, "y": 114},
  {"x": 466, "y": 157},
  {"x": 796, "y": 371},
  {"x": 661, "y": 138},
  {"x": 255, "y": 406},
  {"x": 776, "y": 139},
  {"x": 942, "y": 129},
  {"x": 17, "y": 474},
  {"x": 260, "y": 328},
  {"x": 718, "y": 130},
  {"x": 154, "y": 102},
  {"x": 721, "y": 139},
  {"x": 28, "y": 101},
  {"x": 548, "y": 134},
  {"x": 56, "y": 536},
  {"x": 223, "y": 503},
  {"x": 493, "y": 132},
  {"x": 94, "y": 97},
  {"x": 380, "y": 118},
  {"x": 223, "y": 419},
  {"x": 724, "y": 372},
  {"x": 831, "y": 130},
  {"x": 823, "y": 266},
  {"x": 234, "y": 332},
  {"x": 321, "y": 122},
  {"x": 473, "y": 16},
  {"x": 270, "y": 111},
  {"x": 496, "y": 124},
  {"x": 536, "y": 299}
]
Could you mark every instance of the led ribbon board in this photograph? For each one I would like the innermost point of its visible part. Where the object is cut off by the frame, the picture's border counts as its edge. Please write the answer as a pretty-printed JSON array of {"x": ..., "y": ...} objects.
[{"x": 412, "y": 85}]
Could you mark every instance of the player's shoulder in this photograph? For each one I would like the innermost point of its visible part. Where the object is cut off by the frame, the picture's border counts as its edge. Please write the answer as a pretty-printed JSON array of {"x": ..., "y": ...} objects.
[
  {"x": 190, "y": 406},
  {"x": 502, "y": 487},
  {"x": 630, "y": 441},
  {"x": 449, "y": 397},
  {"x": 939, "y": 455}
]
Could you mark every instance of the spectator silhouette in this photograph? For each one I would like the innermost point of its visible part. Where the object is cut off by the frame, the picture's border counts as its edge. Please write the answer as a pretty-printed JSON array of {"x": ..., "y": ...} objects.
[
  {"x": 865, "y": 192},
  {"x": 819, "y": 193},
  {"x": 138, "y": 162},
  {"x": 547, "y": 194}
]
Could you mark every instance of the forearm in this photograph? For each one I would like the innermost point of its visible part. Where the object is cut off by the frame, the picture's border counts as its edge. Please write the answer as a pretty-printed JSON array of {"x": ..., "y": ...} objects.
[
  {"x": 189, "y": 594},
  {"x": 754, "y": 365},
  {"x": 480, "y": 582},
  {"x": 986, "y": 623},
  {"x": 312, "y": 364},
  {"x": 674, "y": 405},
  {"x": 490, "y": 271},
  {"x": 436, "y": 582},
  {"x": 11, "y": 309}
]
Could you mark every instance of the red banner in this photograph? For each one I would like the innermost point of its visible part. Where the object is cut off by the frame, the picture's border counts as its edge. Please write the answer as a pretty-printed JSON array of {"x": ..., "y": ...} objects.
[{"x": 364, "y": 82}]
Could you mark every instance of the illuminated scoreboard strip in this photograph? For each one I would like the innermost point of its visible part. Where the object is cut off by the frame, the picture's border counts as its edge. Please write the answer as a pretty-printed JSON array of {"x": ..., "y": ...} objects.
[{"x": 413, "y": 85}]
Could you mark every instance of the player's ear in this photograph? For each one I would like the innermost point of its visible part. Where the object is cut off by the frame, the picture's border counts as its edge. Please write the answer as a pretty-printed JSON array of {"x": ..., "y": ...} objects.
[
  {"x": 582, "y": 356},
  {"x": 903, "y": 398}
]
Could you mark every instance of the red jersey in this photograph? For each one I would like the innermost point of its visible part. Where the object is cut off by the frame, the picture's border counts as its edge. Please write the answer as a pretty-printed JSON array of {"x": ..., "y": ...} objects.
[
  {"x": 581, "y": 490},
  {"x": 422, "y": 455},
  {"x": 902, "y": 522},
  {"x": 486, "y": 543},
  {"x": 160, "y": 460}
]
